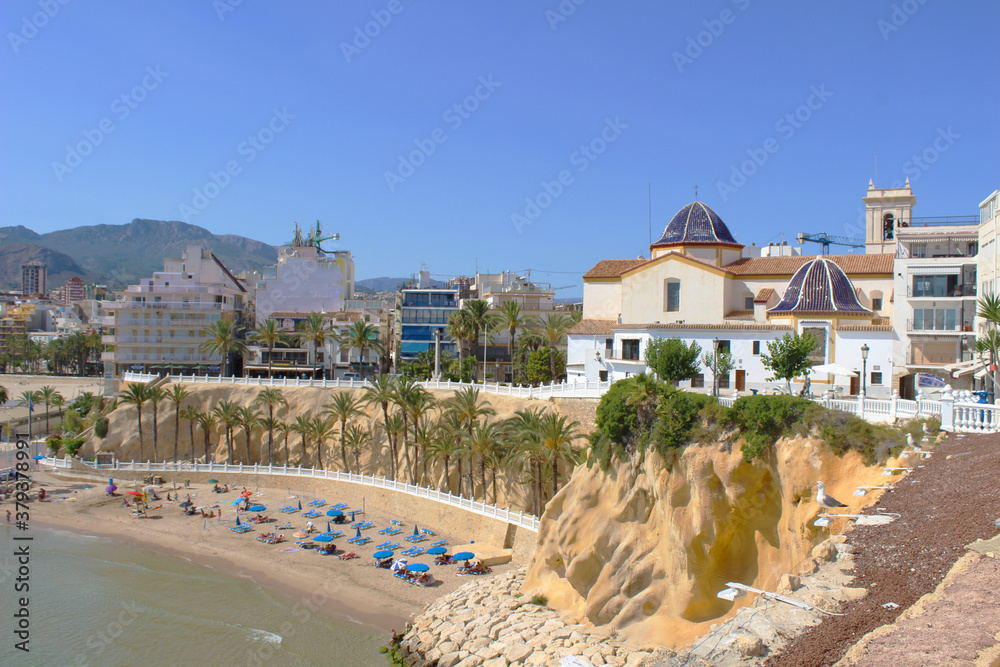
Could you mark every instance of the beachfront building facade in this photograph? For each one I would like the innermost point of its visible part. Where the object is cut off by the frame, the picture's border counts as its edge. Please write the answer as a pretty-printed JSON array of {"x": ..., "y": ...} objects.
[
  {"x": 420, "y": 312},
  {"x": 158, "y": 325},
  {"x": 989, "y": 250},
  {"x": 34, "y": 279},
  {"x": 696, "y": 285}
]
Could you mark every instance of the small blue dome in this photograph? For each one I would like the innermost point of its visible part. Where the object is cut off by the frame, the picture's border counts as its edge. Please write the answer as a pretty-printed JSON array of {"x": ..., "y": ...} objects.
[
  {"x": 696, "y": 224},
  {"x": 820, "y": 286}
]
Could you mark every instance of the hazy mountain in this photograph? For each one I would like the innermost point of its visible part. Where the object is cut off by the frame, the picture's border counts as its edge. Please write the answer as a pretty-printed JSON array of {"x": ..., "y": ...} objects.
[
  {"x": 384, "y": 284},
  {"x": 122, "y": 254},
  {"x": 61, "y": 267}
]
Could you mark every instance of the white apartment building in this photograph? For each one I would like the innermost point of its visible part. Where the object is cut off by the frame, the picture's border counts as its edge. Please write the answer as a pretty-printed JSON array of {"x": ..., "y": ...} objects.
[
  {"x": 989, "y": 251},
  {"x": 157, "y": 325}
]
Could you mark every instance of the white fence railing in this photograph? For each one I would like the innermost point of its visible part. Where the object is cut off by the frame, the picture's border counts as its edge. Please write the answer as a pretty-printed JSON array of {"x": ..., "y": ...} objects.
[
  {"x": 562, "y": 389},
  {"x": 517, "y": 518},
  {"x": 961, "y": 413}
]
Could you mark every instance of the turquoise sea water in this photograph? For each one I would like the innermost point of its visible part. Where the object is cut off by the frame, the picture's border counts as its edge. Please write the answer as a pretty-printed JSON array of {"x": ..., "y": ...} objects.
[{"x": 96, "y": 601}]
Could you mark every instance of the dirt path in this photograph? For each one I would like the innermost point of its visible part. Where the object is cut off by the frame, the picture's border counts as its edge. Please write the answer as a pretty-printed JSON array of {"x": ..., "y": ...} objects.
[{"x": 947, "y": 502}]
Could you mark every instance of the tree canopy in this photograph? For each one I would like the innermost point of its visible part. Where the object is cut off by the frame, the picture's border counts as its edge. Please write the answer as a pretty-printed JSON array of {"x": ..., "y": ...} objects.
[
  {"x": 672, "y": 360},
  {"x": 788, "y": 357}
]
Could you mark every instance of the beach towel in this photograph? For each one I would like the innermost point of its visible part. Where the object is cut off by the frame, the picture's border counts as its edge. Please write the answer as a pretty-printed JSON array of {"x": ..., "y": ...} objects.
[{"x": 290, "y": 550}]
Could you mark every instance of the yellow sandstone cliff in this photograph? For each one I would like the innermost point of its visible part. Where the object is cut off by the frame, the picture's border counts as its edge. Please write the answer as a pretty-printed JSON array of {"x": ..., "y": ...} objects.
[{"x": 645, "y": 551}]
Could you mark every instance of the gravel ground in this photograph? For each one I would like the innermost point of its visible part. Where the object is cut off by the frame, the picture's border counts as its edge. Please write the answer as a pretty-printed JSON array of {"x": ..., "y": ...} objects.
[{"x": 948, "y": 501}]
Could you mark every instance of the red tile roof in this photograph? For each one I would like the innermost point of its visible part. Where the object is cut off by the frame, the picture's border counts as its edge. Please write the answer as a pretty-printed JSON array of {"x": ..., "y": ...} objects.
[
  {"x": 764, "y": 295},
  {"x": 726, "y": 325},
  {"x": 771, "y": 266},
  {"x": 593, "y": 327},
  {"x": 612, "y": 268}
]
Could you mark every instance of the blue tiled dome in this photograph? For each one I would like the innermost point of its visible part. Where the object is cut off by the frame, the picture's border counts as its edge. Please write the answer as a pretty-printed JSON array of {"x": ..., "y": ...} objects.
[
  {"x": 820, "y": 286},
  {"x": 696, "y": 224}
]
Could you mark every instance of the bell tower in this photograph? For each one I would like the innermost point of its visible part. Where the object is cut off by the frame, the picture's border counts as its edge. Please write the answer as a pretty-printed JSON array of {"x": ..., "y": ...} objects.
[{"x": 885, "y": 212}]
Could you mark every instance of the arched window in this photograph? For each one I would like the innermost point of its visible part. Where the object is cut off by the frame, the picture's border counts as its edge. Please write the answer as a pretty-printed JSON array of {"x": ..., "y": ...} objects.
[
  {"x": 671, "y": 295},
  {"x": 888, "y": 226}
]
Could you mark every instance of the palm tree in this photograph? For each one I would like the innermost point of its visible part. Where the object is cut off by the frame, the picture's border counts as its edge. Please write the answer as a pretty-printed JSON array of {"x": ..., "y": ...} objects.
[
  {"x": 206, "y": 420},
  {"x": 176, "y": 395},
  {"x": 269, "y": 335},
  {"x": 342, "y": 407},
  {"x": 228, "y": 415},
  {"x": 465, "y": 403},
  {"x": 553, "y": 332},
  {"x": 484, "y": 439},
  {"x": 642, "y": 397},
  {"x": 155, "y": 395},
  {"x": 47, "y": 395},
  {"x": 524, "y": 429},
  {"x": 3, "y": 394},
  {"x": 381, "y": 392},
  {"x": 358, "y": 438},
  {"x": 393, "y": 429},
  {"x": 189, "y": 413},
  {"x": 136, "y": 394},
  {"x": 556, "y": 437},
  {"x": 285, "y": 429},
  {"x": 447, "y": 445},
  {"x": 314, "y": 332},
  {"x": 271, "y": 398},
  {"x": 460, "y": 330},
  {"x": 989, "y": 310},
  {"x": 424, "y": 435},
  {"x": 510, "y": 316},
  {"x": 479, "y": 317},
  {"x": 248, "y": 417},
  {"x": 362, "y": 337},
  {"x": 303, "y": 426},
  {"x": 29, "y": 399},
  {"x": 405, "y": 390},
  {"x": 58, "y": 400},
  {"x": 416, "y": 403},
  {"x": 222, "y": 337},
  {"x": 322, "y": 429}
]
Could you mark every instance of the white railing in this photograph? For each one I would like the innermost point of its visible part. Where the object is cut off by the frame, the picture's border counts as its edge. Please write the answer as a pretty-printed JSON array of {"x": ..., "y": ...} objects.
[
  {"x": 881, "y": 410},
  {"x": 563, "y": 389},
  {"x": 520, "y": 519}
]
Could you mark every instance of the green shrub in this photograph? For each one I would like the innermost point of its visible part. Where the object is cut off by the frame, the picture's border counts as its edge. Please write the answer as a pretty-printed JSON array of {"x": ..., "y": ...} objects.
[
  {"x": 763, "y": 419},
  {"x": 675, "y": 418},
  {"x": 101, "y": 427},
  {"x": 72, "y": 423},
  {"x": 53, "y": 444},
  {"x": 615, "y": 417},
  {"x": 73, "y": 445},
  {"x": 540, "y": 600}
]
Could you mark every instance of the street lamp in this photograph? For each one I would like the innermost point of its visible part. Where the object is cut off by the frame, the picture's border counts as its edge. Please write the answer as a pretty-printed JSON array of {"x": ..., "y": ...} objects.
[
  {"x": 864, "y": 369},
  {"x": 715, "y": 367}
]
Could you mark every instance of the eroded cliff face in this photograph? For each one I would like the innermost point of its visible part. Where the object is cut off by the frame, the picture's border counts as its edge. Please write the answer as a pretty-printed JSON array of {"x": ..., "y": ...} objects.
[{"x": 645, "y": 550}]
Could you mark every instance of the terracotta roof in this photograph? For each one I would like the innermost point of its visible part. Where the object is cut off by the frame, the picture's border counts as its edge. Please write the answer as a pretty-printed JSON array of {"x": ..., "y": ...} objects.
[
  {"x": 739, "y": 315},
  {"x": 593, "y": 327},
  {"x": 689, "y": 327},
  {"x": 864, "y": 327},
  {"x": 612, "y": 268},
  {"x": 851, "y": 264},
  {"x": 764, "y": 295}
]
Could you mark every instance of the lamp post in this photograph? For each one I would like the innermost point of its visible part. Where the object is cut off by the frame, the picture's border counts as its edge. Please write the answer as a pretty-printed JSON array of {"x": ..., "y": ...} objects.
[
  {"x": 715, "y": 367},
  {"x": 864, "y": 369}
]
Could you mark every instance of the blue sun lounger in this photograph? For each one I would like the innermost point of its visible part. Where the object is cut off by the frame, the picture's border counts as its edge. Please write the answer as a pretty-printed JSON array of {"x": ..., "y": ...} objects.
[
  {"x": 383, "y": 545},
  {"x": 383, "y": 531},
  {"x": 316, "y": 502},
  {"x": 289, "y": 509},
  {"x": 397, "y": 522},
  {"x": 393, "y": 546},
  {"x": 439, "y": 543},
  {"x": 366, "y": 525},
  {"x": 312, "y": 514},
  {"x": 338, "y": 506},
  {"x": 393, "y": 531},
  {"x": 427, "y": 532},
  {"x": 363, "y": 540},
  {"x": 412, "y": 551}
]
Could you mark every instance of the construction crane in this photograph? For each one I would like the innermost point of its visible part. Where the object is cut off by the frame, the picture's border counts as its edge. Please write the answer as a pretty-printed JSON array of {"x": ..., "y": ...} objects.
[{"x": 826, "y": 240}]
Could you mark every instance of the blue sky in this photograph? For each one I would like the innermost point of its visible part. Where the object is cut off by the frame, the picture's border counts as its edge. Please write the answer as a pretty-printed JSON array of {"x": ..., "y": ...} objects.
[{"x": 503, "y": 135}]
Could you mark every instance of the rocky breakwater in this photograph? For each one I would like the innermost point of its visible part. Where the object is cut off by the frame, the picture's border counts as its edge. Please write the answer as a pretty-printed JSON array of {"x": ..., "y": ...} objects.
[
  {"x": 490, "y": 622},
  {"x": 643, "y": 548}
]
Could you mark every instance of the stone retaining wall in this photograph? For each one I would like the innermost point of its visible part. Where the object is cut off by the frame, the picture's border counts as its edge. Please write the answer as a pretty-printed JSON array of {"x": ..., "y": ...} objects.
[{"x": 489, "y": 622}]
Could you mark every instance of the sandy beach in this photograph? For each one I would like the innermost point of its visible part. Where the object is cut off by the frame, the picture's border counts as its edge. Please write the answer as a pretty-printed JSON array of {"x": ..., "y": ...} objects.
[{"x": 353, "y": 589}]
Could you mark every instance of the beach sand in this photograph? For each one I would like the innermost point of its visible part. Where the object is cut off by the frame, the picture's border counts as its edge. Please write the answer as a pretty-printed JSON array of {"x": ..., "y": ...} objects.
[{"x": 353, "y": 589}]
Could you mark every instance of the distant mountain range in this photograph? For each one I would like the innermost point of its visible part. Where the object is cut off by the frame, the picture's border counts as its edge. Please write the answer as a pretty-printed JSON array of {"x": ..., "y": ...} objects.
[
  {"x": 119, "y": 255},
  {"x": 370, "y": 285}
]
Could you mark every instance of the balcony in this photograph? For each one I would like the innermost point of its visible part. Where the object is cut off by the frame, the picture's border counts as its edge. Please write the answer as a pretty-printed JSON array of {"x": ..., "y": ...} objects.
[
  {"x": 167, "y": 305},
  {"x": 963, "y": 291},
  {"x": 927, "y": 329}
]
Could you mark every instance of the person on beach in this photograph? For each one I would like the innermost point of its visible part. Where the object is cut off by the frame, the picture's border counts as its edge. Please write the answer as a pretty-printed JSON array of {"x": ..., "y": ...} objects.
[
  {"x": 8, "y": 516},
  {"x": 41, "y": 495}
]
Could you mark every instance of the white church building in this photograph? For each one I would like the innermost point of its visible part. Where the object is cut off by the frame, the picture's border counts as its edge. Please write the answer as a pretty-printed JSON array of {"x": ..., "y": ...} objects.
[{"x": 697, "y": 285}]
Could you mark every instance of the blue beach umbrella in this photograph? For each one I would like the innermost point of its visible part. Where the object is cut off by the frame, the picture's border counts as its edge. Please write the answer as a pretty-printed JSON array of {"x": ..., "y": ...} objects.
[
  {"x": 416, "y": 531},
  {"x": 359, "y": 532},
  {"x": 418, "y": 567},
  {"x": 258, "y": 508},
  {"x": 300, "y": 504},
  {"x": 237, "y": 502},
  {"x": 323, "y": 538},
  {"x": 464, "y": 555},
  {"x": 437, "y": 551},
  {"x": 237, "y": 519},
  {"x": 328, "y": 528},
  {"x": 38, "y": 457},
  {"x": 334, "y": 513},
  {"x": 382, "y": 554}
]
